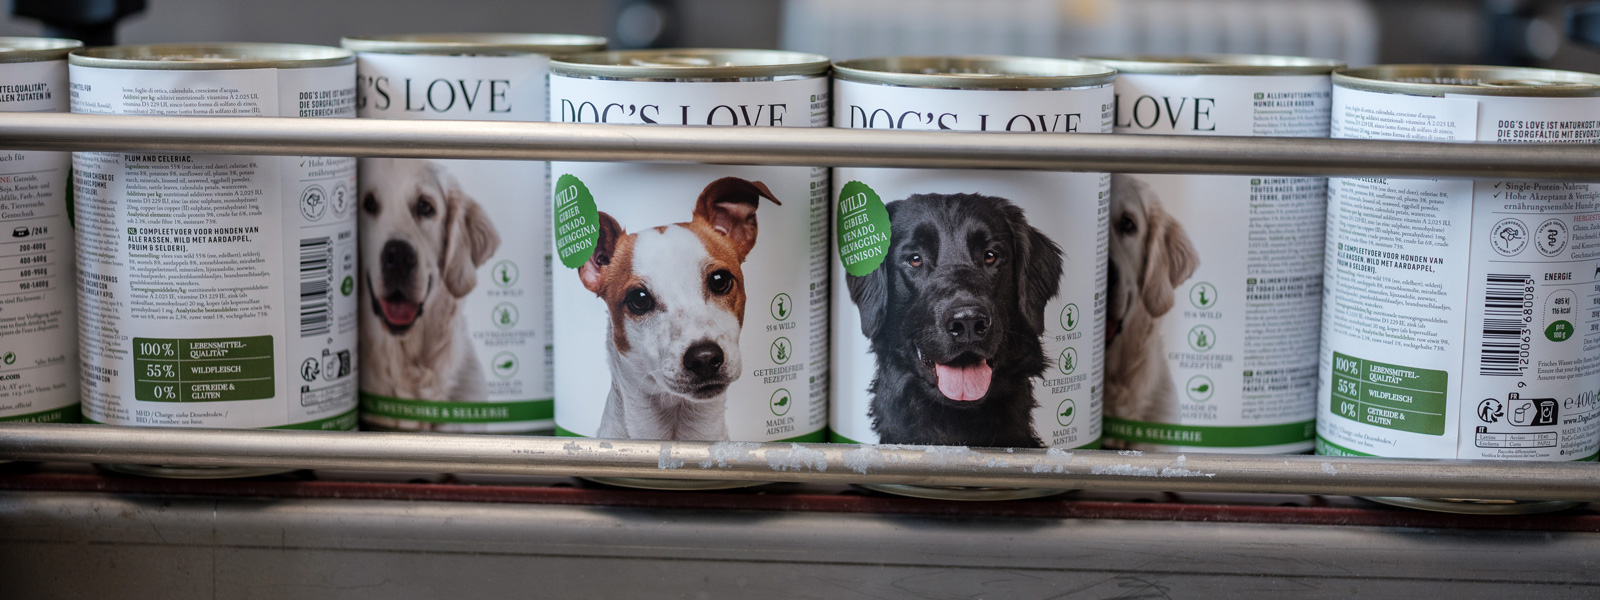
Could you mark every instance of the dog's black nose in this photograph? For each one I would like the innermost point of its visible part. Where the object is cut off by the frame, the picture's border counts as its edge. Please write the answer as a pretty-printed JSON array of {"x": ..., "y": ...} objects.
[
  {"x": 703, "y": 359},
  {"x": 968, "y": 324},
  {"x": 398, "y": 260}
]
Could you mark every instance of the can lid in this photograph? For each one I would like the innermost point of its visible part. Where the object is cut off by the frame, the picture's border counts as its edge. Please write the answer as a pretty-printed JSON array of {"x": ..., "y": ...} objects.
[
  {"x": 480, "y": 44},
  {"x": 975, "y": 72},
  {"x": 690, "y": 63},
  {"x": 34, "y": 49},
  {"x": 212, "y": 56},
  {"x": 1438, "y": 80},
  {"x": 1217, "y": 64}
]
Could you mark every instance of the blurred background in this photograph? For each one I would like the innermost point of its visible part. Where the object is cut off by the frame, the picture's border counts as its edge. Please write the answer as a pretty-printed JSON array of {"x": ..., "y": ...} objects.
[{"x": 1549, "y": 33}]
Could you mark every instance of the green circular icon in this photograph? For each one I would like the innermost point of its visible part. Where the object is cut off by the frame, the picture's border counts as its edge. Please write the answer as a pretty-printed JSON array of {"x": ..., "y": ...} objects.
[
  {"x": 1200, "y": 388},
  {"x": 782, "y": 350},
  {"x": 9, "y": 358},
  {"x": 781, "y": 307},
  {"x": 505, "y": 315},
  {"x": 577, "y": 221},
  {"x": 504, "y": 365},
  {"x": 1203, "y": 295},
  {"x": 1202, "y": 338},
  {"x": 505, "y": 273},
  {"x": 1559, "y": 331},
  {"x": 1069, "y": 361},
  {"x": 1070, "y": 317},
  {"x": 348, "y": 286},
  {"x": 863, "y": 229},
  {"x": 780, "y": 402},
  {"x": 1066, "y": 412}
]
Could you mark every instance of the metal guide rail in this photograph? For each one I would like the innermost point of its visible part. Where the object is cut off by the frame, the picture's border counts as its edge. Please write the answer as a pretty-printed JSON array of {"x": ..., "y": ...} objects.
[{"x": 817, "y": 463}]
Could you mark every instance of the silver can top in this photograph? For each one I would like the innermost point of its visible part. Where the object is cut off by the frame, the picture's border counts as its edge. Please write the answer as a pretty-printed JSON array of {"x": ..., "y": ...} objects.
[
  {"x": 1217, "y": 64},
  {"x": 475, "y": 44},
  {"x": 690, "y": 64},
  {"x": 34, "y": 49},
  {"x": 212, "y": 56},
  {"x": 1438, "y": 80},
  {"x": 975, "y": 72}
]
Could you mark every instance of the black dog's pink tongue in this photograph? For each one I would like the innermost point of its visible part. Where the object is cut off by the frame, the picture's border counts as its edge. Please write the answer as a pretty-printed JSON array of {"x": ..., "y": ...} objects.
[
  {"x": 399, "y": 313},
  {"x": 964, "y": 383}
]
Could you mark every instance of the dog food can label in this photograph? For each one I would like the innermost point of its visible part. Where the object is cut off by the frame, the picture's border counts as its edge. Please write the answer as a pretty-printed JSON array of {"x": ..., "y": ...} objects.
[
  {"x": 969, "y": 304},
  {"x": 691, "y": 301},
  {"x": 38, "y": 302},
  {"x": 216, "y": 291},
  {"x": 1461, "y": 319},
  {"x": 455, "y": 261},
  {"x": 1215, "y": 294}
]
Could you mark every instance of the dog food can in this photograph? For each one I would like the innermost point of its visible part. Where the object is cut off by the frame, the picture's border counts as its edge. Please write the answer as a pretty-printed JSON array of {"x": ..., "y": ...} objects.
[
  {"x": 38, "y": 306},
  {"x": 1214, "y": 294},
  {"x": 969, "y": 304},
  {"x": 1461, "y": 319},
  {"x": 691, "y": 300},
  {"x": 455, "y": 268},
  {"x": 216, "y": 291}
]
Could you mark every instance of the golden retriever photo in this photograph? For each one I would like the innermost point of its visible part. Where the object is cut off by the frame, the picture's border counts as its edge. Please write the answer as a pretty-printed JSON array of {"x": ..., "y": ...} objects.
[
  {"x": 1150, "y": 256},
  {"x": 422, "y": 241}
]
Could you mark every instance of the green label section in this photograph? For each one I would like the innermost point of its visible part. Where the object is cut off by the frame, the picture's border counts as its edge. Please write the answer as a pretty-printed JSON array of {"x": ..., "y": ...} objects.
[
  {"x": 1209, "y": 436},
  {"x": 203, "y": 370},
  {"x": 66, "y": 414},
  {"x": 577, "y": 221},
  {"x": 342, "y": 422},
  {"x": 815, "y": 437},
  {"x": 1327, "y": 448},
  {"x": 1389, "y": 396},
  {"x": 863, "y": 229},
  {"x": 457, "y": 412}
]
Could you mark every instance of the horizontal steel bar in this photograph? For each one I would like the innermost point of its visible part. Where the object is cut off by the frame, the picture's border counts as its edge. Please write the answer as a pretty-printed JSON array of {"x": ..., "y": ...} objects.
[
  {"x": 818, "y": 463},
  {"x": 822, "y": 147}
]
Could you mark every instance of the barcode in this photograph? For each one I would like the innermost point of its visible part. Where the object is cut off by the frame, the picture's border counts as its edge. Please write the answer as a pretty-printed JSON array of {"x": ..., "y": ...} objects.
[
  {"x": 316, "y": 286},
  {"x": 1504, "y": 325}
]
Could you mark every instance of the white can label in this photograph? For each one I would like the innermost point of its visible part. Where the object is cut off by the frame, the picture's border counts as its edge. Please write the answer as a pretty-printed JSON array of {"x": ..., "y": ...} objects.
[
  {"x": 472, "y": 350},
  {"x": 691, "y": 301},
  {"x": 1217, "y": 349},
  {"x": 968, "y": 304},
  {"x": 1462, "y": 318},
  {"x": 38, "y": 306},
  {"x": 217, "y": 291}
]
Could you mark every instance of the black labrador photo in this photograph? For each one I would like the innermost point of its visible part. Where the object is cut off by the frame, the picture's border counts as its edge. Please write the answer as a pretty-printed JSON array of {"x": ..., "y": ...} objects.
[{"x": 955, "y": 315}]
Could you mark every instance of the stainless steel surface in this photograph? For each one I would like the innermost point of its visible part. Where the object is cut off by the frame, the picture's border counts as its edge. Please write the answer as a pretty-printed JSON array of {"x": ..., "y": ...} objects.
[
  {"x": 91, "y": 545},
  {"x": 1439, "y": 80},
  {"x": 1216, "y": 64},
  {"x": 209, "y": 57},
  {"x": 678, "y": 64},
  {"x": 818, "y": 463},
  {"x": 476, "y": 44},
  {"x": 30, "y": 49},
  {"x": 797, "y": 146},
  {"x": 975, "y": 72}
]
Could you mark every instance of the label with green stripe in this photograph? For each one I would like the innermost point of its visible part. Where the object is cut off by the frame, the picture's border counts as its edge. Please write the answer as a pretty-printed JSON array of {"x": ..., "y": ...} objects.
[
  {"x": 67, "y": 414},
  {"x": 457, "y": 412},
  {"x": 1209, "y": 436}
]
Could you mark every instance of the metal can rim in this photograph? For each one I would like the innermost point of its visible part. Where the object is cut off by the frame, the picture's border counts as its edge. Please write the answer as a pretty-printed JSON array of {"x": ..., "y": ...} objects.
[
  {"x": 482, "y": 44},
  {"x": 1216, "y": 64},
  {"x": 212, "y": 56},
  {"x": 1475, "y": 80},
  {"x": 993, "y": 72},
  {"x": 690, "y": 63},
  {"x": 17, "y": 49}
]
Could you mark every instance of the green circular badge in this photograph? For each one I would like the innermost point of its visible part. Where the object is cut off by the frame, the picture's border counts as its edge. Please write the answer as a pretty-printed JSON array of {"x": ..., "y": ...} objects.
[
  {"x": 863, "y": 229},
  {"x": 577, "y": 223}
]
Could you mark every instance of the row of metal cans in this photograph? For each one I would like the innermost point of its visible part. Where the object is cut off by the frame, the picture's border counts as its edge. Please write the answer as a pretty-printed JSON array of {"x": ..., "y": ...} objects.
[{"x": 1408, "y": 318}]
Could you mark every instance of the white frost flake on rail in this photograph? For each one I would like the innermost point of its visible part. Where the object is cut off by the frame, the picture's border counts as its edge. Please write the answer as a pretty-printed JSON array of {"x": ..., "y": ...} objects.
[
  {"x": 946, "y": 456},
  {"x": 1055, "y": 461},
  {"x": 1130, "y": 453},
  {"x": 797, "y": 458},
  {"x": 1176, "y": 469},
  {"x": 1179, "y": 470},
  {"x": 571, "y": 447},
  {"x": 723, "y": 453},
  {"x": 864, "y": 459},
  {"x": 665, "y": 460},
  {"x": 1330, "y": 469}
]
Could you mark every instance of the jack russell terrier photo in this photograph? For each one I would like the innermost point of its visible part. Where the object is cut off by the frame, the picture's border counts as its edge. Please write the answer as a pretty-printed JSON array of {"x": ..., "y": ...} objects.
[{"x": 675, "y": 294}]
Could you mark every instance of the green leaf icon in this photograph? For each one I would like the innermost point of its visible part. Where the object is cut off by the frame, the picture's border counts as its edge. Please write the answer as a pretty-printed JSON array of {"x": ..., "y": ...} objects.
[
  {"x": 507, "y": 365},
  {"x": 784, "y": 401},
  {"x": 1204, "y": 387},
  {"x": 1068, "y": 412}
]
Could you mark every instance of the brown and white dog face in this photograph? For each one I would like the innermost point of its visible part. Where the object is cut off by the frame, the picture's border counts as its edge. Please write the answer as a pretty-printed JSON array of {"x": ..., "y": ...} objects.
[
  {"x": 1150, "y": 255},
  {"x": 421, "y": 238},
  {"x": 676, "y": 292}
]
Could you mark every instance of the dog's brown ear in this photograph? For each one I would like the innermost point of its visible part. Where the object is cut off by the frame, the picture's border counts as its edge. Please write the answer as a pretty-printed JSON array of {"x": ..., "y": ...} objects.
[
  {"x": 1170, "y": 258},
  {"x": 470, "y": 240},
  {"x": 592, "y": 272},
  {"x": 729, "y": 206}
]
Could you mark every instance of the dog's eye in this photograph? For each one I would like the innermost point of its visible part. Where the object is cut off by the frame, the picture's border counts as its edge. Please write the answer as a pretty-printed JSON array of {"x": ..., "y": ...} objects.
[
  {"x": 369, "y": 203},
  {"x": 990, "y": 256},
  {"x": 1126, "y": 225},
  {"x": 639, "y": 301},
  {"x": 720, "y": 282},
  {"x": 424, "y": 207},
  {"x": 915, "y": 261}
]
